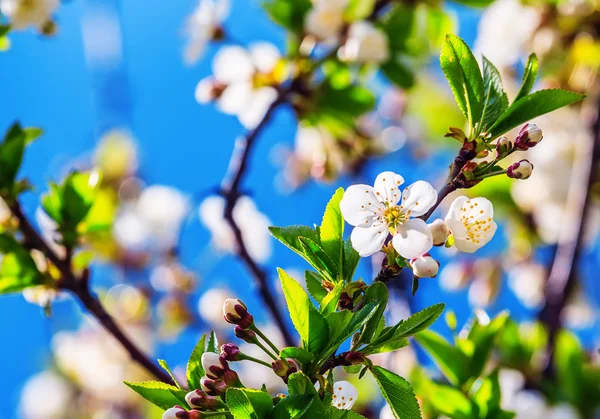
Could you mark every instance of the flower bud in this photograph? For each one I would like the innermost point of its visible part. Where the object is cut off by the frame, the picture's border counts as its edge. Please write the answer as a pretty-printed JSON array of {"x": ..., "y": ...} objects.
[
  {"x": 236, "y": 312},
  {"x": 503, "y": 147},
  {"x": 425, "y": 266},
  {"x": 520, "y": 170},
  {"x": 231, "y": 352},
  {"x": 214, "y": 366},
  {"x": 354, "y": 358},
  {"x": 213, "y": 387},
  {"x": 176, "y": 412},
  {"x": 439, "y": 232},
  {"x": 199, "y": 399},
  {"x": 246, "y": 335},
  {"x": 528, "y": 136}
]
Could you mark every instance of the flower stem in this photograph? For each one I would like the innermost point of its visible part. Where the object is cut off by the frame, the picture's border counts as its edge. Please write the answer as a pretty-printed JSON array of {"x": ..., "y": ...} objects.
[
  {"x": 266, "y": 339},
  {"x": 256, "y": 360}
]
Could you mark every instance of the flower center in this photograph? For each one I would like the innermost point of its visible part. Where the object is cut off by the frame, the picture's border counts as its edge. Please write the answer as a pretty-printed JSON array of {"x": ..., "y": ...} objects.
[
  {"x": 394, "y": 216},
  {"x": 475, "y": 222}
]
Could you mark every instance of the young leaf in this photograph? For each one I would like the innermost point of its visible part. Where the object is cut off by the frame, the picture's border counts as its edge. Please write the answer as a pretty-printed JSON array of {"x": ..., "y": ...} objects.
[
  {"x": 464, "y": 77},
  {"x": 398, "y": 393},
  {"x": 194, "y": 371},
  {"x": 529, "y": 76},
  {"x": 569, "y": 361},
  {"x": 334, "y": 413},
  {"x": 330, "y": 302},
  {"x": 319, "y": 259},
  {"x": 289, "y": 14},
  {"x": 398, "y": 73},
  {"x": 376, "y": 292},
  {"x": 453, "y": 363},
  {"x": 165, "y": 367},
  {"x": 487, "y": 396},
  {"x": 310, "y": 324},
  {"x": 451, "y": 402},
  {"x": 483, "y": 340},
  {"x": 17, "y": 268},
  {"x": 293, "y": 407},
  {"x": 290, "y": 236},
  {"x": 213, "y": 344},
  {"x": 248, "y": 404},
  {"x": 351, "y": 259},
  {"x": 332, "y": 230},
  {"x": 314, "y": 287},
  {"x": 299, "y": 354},
  {"x": 300, "y": 385},
  {"x": 161, "y": 394},
  {"x": 11, "y": 154},
  {"x": 531, "y": 106},
  {"x": 495, "y": 100}
]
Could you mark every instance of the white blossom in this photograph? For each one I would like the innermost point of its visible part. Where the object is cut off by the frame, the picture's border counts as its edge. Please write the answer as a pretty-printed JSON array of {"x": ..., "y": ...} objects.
[
  {"x": 439, "y": 232},
  {"x": 248, "y": 77},
  {"x": 202, "y": 26},
  {"x": 253, "y": 224},
  {"x": 40, "y": 295},
  {"x": 365, "y": 44},
  {"x": 377, "y": 211},
  {"x": 154, "y": 220},
  {"x": 326, "y": 19},
  {"x": 46, "y": 395},
  {"x": 344, "y": 395},
  {"x": 5, "y": 213},
  {"x": 25, "y": 13},
  {"x": 471, "y": 223}
]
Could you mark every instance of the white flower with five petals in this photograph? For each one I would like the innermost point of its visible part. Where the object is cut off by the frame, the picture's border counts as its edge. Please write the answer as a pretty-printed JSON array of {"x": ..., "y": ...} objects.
[
  {"x": 380, "y": 210},
  {"x": 471, "y": 223},
  {"x": 248, "y": 78}
]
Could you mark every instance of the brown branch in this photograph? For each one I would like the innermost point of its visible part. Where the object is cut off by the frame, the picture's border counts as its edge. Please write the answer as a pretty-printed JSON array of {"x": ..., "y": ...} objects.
[
  {"x": 238, "y": 166},
  {"x": 79, "y": 286},
  {"x": 563, "y": 273}
]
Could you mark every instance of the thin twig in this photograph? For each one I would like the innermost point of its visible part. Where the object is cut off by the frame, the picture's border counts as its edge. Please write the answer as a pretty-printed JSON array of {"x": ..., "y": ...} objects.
[
  {"x": 563, "y": 274},
  {"x": 80, "y": 288},
  {"x": 231, "y": 191}
]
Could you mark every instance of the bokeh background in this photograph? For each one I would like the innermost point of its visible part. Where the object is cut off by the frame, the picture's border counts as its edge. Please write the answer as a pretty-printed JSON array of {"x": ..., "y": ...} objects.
[{"x": 113, "y": 82}]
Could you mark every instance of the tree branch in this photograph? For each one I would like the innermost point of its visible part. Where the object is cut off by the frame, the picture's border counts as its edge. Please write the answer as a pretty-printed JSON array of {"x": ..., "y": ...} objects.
[
  {"x": 563, "y": 274},
  {"x": 238, "y": 166},
  {"x": 80, "y": 288}
]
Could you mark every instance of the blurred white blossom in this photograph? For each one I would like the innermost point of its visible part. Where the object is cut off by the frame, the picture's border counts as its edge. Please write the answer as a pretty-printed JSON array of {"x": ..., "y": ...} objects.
[
  {"x": 203, "y": 25},
  {"x": 46, "y": 395},
  {"x": 365, "y": 44},
  {"x": 247, "y": 77},
  {"x": 527, "y": 280},
  {"x": 210, "y": 307},
  {"x": 326, "y": 19},
  {"x": 253, "y": 224},
  {"x": 5, "y": 213},
  {"x": 25, "y": 13},
  {"x": 154, "y": 220}
]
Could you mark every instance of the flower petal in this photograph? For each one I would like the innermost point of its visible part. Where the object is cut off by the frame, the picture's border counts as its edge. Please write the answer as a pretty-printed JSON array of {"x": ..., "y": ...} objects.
[
  {"x": 232, "y": 63},
  {"x": 235, "y": 98},
  {"x": 260, "y": 101},
  {"x": 369, "y": 240},
  {"x": 412, "y": 239},
  {"x": 360, "y": 206},
  {"x": 387, "y": 187},
  {"x": 455, "y": 207},
  {"x": 265, "y": 56},
  {"x": 419, "y": 198}
]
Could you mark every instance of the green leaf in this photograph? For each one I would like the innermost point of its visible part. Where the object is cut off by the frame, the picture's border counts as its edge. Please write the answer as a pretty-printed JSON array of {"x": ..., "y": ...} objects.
[
  {"x": 299, "y": 354},
  {"x": 452, "y": 362},
  {"x": 398, "y": 24},
  {"x": 331, "y": 300},
  {"x": 398, "y": 73},
  {"x": 300, "y": 385},
  {"x": 310, "y": 324},
  {"x": 11, "y": 154},
  {"x": 293, "y": 407},
  {"x": 344, "y": 104},
  {"x": 248, "y": 404},
  {"x": 290, "y": 236},
  {"x": 359, "y": 9},
  {"x": 313, "y": 284},
  {"x": 531, "y": 106},
  {"x": 332, "y": 230},
  {"x": 487, "y": 396},
  {"x": 213, "y": 344},
  {"x": 78, "y": 193},
  {"x": 569, "y": 358},
  {"x": 451, "y": 402},
  {"x": 377, "y": 292},
  {"x": 495, "y": 100},
  {"x": 165, "y": 367},
  {"x": 351, "y": 259},
  {"x": 334, "y": 413},
  {"x": 529, "y": 76},
  {"x": 194, "y": 371},
  {"x": 483, "y": 339},
  {"x": 161, "y": 394},
  {"x": 17, "y": 268},
  {"x": 398, "y": 393},
  {"x": 289, "y": 14},
  {"x": 319, "y": 259},
  {"x": 464, "y": 77}
]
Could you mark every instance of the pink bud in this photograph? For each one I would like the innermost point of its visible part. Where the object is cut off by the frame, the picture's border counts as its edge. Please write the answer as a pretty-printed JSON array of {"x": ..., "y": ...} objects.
[
  {"x": 425, "y": 266},
  {"x": 528, "y": 136},
  {"x": 520, "y": 170}
]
